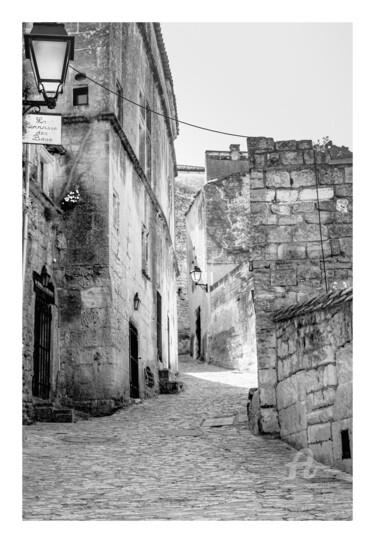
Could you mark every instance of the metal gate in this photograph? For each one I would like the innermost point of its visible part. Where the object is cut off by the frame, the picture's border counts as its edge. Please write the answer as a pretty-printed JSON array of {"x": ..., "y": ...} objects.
[
  {"x": 133, "y": 361},
  {"x": 42, "y": 349}
]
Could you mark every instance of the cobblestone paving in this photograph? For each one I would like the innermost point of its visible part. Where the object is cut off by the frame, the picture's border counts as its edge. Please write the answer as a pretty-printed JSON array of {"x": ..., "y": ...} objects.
[{"x": 154, "y": 461}]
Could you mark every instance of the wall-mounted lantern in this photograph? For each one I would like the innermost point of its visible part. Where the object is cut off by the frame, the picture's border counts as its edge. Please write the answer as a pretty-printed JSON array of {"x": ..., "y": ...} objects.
[
  {"x": 49, "y": 48},
  {"x": 196, "y": 274},
  {"x": 136, "y": 301}
]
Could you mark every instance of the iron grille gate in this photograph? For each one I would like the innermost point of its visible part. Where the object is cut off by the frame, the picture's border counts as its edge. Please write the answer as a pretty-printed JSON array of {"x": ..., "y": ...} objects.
[
  {"x": 133, "y": 355},
  {"x": 42, "y": 349}
]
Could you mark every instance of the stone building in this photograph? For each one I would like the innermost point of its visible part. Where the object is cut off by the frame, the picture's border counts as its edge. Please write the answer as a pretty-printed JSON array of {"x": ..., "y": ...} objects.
[
  {"x": 190, "y": 179},
  {"x": 86, "y": 344},
  {"x": 222, "y": 319}
]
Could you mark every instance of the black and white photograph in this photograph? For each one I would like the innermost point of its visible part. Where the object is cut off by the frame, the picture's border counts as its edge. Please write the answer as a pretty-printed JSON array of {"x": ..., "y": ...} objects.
[{"x": 187, "y": 269}]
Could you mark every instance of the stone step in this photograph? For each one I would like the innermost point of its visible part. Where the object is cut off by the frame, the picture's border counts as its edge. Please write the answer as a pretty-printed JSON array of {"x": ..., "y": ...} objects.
[{"x": 48, "y": 413}]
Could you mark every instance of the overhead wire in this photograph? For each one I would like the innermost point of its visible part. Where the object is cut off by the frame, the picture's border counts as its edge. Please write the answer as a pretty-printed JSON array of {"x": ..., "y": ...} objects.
[{"x": 156, "y": 112}]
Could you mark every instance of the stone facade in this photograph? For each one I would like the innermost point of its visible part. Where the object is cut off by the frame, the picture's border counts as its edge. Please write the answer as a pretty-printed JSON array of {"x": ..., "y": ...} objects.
[
  {"x": 190, "y": 180},
  {"x": 232, "y": 330},
  {"x": 218, "y": 241},
  {"x": 118, "y": 239},
  {"x": 314, "y": 377},
  {"x": 300, "y": 205}
]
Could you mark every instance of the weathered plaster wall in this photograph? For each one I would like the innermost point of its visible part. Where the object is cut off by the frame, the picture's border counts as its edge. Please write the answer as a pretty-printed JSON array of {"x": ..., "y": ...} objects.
[
  {"x": 218, "y": 234},
  {"x": 227, "y": 223},
  {"x": 287, "y": 179},
  {"x": 232, "y": 331},
  {"x": 314, "y": 377},
  {"x": 188, "y": 182},
  {"x": 46, "y": 242},
  {"x": 196, "y": 255}
]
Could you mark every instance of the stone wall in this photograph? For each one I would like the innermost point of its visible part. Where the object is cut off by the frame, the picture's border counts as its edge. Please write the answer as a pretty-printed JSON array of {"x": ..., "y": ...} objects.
[
  {"x": 314, "y": 376},
  {"x": 300, "y": 204},
  {"x": 232, "y": 331},
  {"x": 190, "y": 180},
  {"x": 46, "y": 245}
]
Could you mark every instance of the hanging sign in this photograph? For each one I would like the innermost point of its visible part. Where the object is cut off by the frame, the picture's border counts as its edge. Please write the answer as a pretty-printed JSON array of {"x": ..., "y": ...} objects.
[{"x": 42, "y": 129}]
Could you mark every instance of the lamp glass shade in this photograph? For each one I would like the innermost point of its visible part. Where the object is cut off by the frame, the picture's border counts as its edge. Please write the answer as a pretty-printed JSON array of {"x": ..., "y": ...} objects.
[
  {"x": 49, "y": 48},
  {"x": 196, "y": 274}
]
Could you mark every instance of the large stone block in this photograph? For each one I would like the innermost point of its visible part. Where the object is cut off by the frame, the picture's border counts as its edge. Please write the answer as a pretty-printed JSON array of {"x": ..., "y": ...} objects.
[
  {"x": 307, "y": 195},
  {"x": 284, "y": 277},
  {"x": 309, "y": 232},
  {"x": 303, "y": 178},
  {"x": 267, "y": 377},
  {"x": 286, "y": 196},
  {"x": 287, "y": 392},
  {"x": 323, "y": 452},
  {"x": 267, "y": 396},
  {"x": 260, "y": 144},
  {"x": 262, "y": 195},
  {"x": 340, "y": 231},
  {"x": 321, "y": 398},
  {"x": 291, "y": 251},
  {"x": 343, "y": 405},
  {"x": 256, "y": 179},
  {"x": 304, "y": 144},
  {"x": 277, "y": 179},
  {"x": 332, "y": 176},
  {"x": 269, "y": 421},
  {"x": 344, "y": 363},
  {"x": 320, "y": 415},
  {"x": 330, "y": 375},
  {"x": 281, "y": 234},
  {"x": 319, "y": 432},
  {"x": 309, "y": 157},
  {"x": 314, "y": 250},
  {"x": 257, "y": 207},
  {"x": 349, "y": 174},
  {"x": 298, "y": 440},
  {"x": 281, "y": 209},
  {"x": 287, "y": 145},
  {"x": 293, "y": 419},
  {"x": 311, "y": 381},
  {"x": 291, "y": 158}
]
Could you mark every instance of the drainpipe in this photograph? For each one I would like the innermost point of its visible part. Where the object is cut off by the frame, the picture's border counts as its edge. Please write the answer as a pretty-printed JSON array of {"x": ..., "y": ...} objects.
[{"x": 25, "y": 215}]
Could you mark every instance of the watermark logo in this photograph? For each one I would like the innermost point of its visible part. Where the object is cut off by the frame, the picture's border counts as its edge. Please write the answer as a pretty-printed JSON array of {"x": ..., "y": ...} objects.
[{"x": 302, "y": 459}]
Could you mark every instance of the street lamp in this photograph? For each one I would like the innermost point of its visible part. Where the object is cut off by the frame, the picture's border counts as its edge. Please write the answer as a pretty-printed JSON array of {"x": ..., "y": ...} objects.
[
  {"x": 49, "y": 49},
  {"x": 196, "y": 274},
  {"x": 136, "y": 301}
]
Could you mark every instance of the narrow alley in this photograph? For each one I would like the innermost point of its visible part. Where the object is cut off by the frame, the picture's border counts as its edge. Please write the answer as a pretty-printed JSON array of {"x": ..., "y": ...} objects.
[{"x": 177, "y": 457}]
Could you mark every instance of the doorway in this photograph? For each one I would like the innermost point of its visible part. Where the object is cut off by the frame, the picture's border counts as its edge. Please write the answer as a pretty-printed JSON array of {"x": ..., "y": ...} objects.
[
  {"x": 198, "y": 332},
  {"x": 133, "y": 361},
  {"x": 42, "y": 349}
]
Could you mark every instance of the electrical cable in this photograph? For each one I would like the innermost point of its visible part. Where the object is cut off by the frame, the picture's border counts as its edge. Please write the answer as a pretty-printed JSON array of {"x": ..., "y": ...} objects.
[
  {"x": 156, "y": 112},
  {"x": 320, "y": 223}
]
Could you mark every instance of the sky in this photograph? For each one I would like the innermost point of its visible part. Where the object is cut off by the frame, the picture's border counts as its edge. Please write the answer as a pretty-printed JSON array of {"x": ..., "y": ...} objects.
[{"x": 279, "y": 80}]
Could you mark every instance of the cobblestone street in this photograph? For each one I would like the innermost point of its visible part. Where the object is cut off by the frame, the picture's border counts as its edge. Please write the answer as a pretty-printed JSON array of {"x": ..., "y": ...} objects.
[{"x": 164, "y": 460}]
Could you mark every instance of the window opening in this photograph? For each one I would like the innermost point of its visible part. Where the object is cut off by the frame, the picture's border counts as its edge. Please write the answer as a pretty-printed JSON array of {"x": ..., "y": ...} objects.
[{"x": 80, "y": 96}]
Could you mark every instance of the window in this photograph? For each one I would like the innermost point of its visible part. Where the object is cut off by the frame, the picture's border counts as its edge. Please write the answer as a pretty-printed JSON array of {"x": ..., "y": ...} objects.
[
  {"x": 345, "y": 444},
  {"x": 145, "y": 148},
  {"x": 116, "y": 212},
  {"x": 81, "y": 96},
  {"x": 45, "y": 171},
  {"x": 145, "y": 234},
  {"x": 119, "y": 102},
  {"x": 158, "y": 326}
]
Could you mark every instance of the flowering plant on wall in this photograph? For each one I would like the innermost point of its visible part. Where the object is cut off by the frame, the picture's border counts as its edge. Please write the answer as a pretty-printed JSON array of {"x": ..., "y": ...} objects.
[{"x": 71, "y": 199}]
